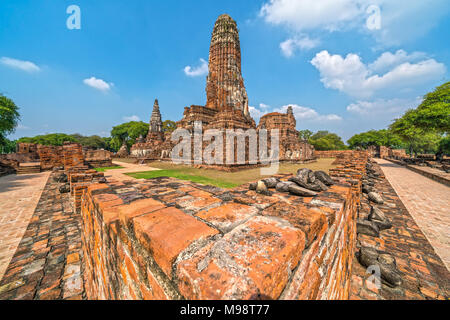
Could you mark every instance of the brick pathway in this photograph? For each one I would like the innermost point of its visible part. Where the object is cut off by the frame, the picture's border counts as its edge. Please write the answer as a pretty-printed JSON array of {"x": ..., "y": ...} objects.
[
  {"x": 423, "y": 273},
  {"x": 427, "y": 201},
  {"x": 47, "y": 263},
  {"x": 119, "y": 174},
  {"x": 19, "y": 196}
]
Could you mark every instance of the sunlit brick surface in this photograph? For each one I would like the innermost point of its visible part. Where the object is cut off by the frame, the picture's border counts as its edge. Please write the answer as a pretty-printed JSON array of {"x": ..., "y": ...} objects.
[
  {"x": 19, "y": 196},
  {"x": 427, "y": 201}
]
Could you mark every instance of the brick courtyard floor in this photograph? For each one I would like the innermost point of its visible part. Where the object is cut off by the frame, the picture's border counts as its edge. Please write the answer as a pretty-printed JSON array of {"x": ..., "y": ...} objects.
[
  {"x": 47, "y": 262},
  {"x": 119, "y": 174},
  {"x": 19, "y": 195},
  {"x": 427, "y": 201}
]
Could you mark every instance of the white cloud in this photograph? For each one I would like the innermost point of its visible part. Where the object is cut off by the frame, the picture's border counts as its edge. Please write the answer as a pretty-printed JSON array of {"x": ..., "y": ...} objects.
[
  {"x": 303, "y": 15},
  {"x": 305, "y": 113},
  {"x": 400, "y": 22},
  {"x": 289, "y": 46},
  {"x": 256, "y": 113},
  {"x": 20, "y": 64},
  {"x": 389, "y": 60},
  {"x": 403, "y": 22},
  {"x": 201, "y": 70},
  {"x": 98, "y": 84},
  {"x": 132, "y": 118},
  {"x": 301, "y": 113},
  {"x": 351, "y": 76},
  {"x": 22, "y": 127},
  {"x": 383, "y": 107}
]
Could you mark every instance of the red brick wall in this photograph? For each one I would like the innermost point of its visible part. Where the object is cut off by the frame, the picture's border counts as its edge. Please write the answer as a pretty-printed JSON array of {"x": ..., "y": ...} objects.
[
  {"x": 73, "y": 155},
  {"x": 399, "y": 153},
  {"x": 50, "y": 156},
  {"x": 168, "y": 239},
  {"x": 79, "y": 180},
  {"x": 384, "y": 152}
]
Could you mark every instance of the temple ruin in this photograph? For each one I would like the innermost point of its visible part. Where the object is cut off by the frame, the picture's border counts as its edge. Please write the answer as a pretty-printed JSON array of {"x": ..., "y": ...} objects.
[{"x": 226, "y": 107}]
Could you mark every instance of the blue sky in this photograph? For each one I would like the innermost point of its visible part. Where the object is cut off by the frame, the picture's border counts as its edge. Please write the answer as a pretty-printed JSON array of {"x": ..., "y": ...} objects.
[{"x": 341, "y": 68}]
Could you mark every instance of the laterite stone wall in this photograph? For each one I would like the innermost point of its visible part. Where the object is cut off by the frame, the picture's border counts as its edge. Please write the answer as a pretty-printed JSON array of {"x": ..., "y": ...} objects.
[{"x": 169, "y": 239}]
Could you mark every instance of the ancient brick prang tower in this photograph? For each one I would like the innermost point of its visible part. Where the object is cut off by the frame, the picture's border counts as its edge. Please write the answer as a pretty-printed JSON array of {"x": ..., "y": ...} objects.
[
  {"x": 155, "y": 120},
  {"x": 225, "y": 85},
  {"x": 226, "y": 97},
  {"x": 226, "y": 108},
  {"x": 155, "y": 130},
  {"x": 157, "y": 144}
]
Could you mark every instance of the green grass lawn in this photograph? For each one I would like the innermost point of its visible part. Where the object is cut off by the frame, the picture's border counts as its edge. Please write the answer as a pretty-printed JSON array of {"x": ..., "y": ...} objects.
[
  {"x": 182, "y": 175},
  {"x": 223, "y": 179},
  {"x": 107, "y": 168}
]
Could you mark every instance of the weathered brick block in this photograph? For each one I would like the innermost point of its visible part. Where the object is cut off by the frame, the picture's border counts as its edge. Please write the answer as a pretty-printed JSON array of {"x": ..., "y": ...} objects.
[
  {"x": 252, "y": 261},
  {"x": 310, "y": 221},
  {"x": 167, "y": 232},
  {"x": 228, "y": 216}
]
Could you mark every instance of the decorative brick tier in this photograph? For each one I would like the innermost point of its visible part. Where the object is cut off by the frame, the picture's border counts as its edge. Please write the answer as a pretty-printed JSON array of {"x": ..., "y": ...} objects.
[{"x": 165, "y": 238}]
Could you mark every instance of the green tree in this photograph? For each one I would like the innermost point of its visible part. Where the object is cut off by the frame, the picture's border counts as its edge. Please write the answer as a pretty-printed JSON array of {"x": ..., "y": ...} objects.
[
  {"x": 434, "y": 112},
  {"x": 169, "y": 126},
  {"x": 444, "y": 146},
  {"x": 375, "y": 138},
  {"x": 418, "y": 140},
  {"x": 52, "y": 139},
  {"x": 95, "y": 142},
  {"x": 9, "y": 118},
  {"x": 324, "y": 140},
  {"x": 108, "y": 146},
  {"x": 7, "y": 146},
  {"x": 305, "y": 134},
  {"x": 128, "y": 132}
]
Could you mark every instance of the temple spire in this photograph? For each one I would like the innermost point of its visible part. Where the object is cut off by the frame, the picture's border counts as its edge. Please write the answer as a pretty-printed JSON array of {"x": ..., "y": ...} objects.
[
  {"x": 155, "y": 120},
  {"x": 225, "y": 86}
]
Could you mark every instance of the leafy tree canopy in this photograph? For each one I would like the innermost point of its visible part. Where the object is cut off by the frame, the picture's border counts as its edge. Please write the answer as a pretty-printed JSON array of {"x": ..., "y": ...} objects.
[
  {"x": 375, "y": 138},
  {"x": 169, "y": 126},
  {"x": 444, "y": 146},
  {"x": 95, "y": 142},
  {"x": 7, "y": 146},
  {"x": 57, "y": 139},
  {"x": 434, "y": 112},
  {"x": 52, "y": 139},
  {"x": 417, "y": 139},
  {"x": 305, "y": 134},
  {"x": 324, "y": 140},
  {"x": 128, "y": 132},
  {"x": 9, "y": 117}
]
